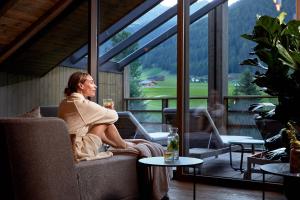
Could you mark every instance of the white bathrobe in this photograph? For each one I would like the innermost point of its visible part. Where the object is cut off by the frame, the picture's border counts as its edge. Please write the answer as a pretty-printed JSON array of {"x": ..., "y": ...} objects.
[{"x": 81, "y": 115}]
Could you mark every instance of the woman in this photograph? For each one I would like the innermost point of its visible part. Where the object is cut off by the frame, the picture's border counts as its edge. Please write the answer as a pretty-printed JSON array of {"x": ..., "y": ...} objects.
[{"x": 89, "y": 124}]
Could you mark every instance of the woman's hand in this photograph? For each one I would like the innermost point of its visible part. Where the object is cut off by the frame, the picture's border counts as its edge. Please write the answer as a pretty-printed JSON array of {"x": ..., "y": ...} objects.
[{"x": 110, "y": 106}]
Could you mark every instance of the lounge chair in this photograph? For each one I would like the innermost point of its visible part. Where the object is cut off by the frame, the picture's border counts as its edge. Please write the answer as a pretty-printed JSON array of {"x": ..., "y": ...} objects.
[
  {"x": 130, "y": 128},
  {"x": 215, "y": 144}
]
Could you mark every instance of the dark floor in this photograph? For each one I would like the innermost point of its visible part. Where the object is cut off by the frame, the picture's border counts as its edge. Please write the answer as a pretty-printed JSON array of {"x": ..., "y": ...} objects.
[
  {"x": 184, "y": 190},
  {"x": 220, "y": 167}
]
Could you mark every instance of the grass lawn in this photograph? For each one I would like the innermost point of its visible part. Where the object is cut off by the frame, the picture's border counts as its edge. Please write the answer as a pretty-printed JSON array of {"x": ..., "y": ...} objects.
[{"x": 167, "y": 88}]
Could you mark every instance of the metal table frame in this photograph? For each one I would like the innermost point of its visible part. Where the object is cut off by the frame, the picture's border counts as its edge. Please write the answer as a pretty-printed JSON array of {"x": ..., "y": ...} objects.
[{"x": 182, "y": 162}]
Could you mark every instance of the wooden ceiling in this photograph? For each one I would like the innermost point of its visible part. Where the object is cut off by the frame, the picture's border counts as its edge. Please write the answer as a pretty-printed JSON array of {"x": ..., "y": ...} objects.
[{"x": 37, "y": 35}]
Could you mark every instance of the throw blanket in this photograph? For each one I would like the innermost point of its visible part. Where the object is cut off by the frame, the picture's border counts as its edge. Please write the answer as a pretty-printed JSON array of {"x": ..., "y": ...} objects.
[{"x": 161, "y": 175}]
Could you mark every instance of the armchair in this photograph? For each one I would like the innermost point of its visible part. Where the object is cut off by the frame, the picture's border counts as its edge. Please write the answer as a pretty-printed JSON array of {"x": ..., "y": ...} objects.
[{"x": 38, "y": 164}]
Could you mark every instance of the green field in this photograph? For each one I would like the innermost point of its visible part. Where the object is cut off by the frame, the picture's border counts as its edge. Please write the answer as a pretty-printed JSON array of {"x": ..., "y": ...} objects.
[{"x": 167, "y": 88}]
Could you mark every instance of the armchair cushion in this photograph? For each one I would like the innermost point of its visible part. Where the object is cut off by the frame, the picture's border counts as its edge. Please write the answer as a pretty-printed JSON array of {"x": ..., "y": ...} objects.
[
  {"x": 35, "y": 112},
  {"x": 38, "y": 159},
  {"x": 97, "y": 179}
]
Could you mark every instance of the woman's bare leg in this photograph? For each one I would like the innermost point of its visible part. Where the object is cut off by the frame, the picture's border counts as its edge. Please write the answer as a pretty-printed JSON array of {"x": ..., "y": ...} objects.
[{"x": 109, "y": 135}]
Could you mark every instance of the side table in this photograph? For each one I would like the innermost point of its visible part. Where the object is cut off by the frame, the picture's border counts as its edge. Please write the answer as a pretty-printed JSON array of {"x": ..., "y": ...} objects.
[
  {"x": 182, "y": 162},
  {"x": 256, "y": 159},
  {"x": 291, "y": 181},
  {"x": 241, "y": 143}
]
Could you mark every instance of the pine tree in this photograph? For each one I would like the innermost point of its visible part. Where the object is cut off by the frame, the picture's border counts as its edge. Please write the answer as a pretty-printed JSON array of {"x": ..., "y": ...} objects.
[{"x": 245, "y": 85}]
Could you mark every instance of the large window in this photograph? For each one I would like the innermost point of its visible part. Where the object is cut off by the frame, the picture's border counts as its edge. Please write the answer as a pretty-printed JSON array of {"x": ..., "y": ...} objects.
[
  {"x": 145, "y": 55},
  {"x": 241, "y": 20}
]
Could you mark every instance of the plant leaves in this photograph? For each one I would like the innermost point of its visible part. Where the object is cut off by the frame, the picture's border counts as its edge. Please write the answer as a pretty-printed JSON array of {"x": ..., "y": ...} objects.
[
  {"x": 270, "y": 24},
  {"x": 281, "y": 17},
  {"x": 296, "y": 57},
  {"x": 285, "y": 55},
  {"x": 250, "y": 61},
  {"x": 247, "y": 36},
  {"x": 292, "y": 28}
]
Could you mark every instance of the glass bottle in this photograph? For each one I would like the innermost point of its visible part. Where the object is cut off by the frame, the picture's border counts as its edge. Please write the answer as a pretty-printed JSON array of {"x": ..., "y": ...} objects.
[{"x": 173, "y": 142}]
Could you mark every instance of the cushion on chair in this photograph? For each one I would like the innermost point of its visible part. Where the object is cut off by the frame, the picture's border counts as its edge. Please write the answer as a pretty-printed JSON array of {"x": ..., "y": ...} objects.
[
  {"x": 38, "y": 159},
  {"x": 97, "y": 179},
  {"x": 35, "y": 112}
]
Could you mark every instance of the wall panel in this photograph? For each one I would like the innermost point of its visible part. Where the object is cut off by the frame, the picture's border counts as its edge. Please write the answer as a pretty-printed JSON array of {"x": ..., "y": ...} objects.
[
  {"x": 111, "y": 86},
  {"x": 19, "y": 93}
]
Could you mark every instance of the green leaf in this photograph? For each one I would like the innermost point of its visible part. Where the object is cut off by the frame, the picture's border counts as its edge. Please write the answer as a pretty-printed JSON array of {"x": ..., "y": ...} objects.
[
  {"x": 285, "y": 55},
  {"x": 250, "y": 61},
  {"x": 247, "y": 36},
  {"x": 287, "y": 63},
  {"x": 292, "y": 28},
  {"x": 296, "y": 57},
  {"x": 266, "y": 56},
  {"x": 269, "y": 24},
  {"x": 263, "y": 41},
  {"x": 281, "y": 17}
]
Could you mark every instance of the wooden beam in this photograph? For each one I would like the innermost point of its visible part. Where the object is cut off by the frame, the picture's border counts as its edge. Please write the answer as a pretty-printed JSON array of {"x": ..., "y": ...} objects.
[
  {"x": 183, "y": 21},
  {"x": 167, "y": 34},
  {"x": 152, "y": 25},
  {"x": 93, "y": 43},
  {"x": 218, "y": 52},
  {"x": 7, "y": 6},
  {"x": 34, "y": 28},
  {"x": 115, "y": 28},
  {"x": 298, "y": 9}
]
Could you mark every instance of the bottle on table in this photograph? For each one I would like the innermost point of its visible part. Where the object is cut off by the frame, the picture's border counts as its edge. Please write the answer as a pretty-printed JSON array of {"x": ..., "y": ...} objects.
[{"x": 173, "y": 143}]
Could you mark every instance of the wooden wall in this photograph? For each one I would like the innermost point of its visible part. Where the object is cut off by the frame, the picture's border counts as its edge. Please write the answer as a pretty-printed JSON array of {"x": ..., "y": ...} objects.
[
  {"x": 19, "y": 93},
  {"x": 111, "y": 86}
]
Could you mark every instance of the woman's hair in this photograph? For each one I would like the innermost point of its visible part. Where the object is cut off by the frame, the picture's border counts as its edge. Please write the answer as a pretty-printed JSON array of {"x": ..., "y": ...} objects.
[{"x": 74, "y": 80}]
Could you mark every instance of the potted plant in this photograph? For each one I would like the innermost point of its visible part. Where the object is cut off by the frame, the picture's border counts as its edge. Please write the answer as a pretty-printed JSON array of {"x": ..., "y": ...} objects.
[{"x": 277, "y": 58}]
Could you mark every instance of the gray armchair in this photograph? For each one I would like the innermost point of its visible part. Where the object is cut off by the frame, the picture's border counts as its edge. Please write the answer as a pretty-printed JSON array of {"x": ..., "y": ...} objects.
[
  {"x": 37, "y": 163},
  {"x": 37, "y": 160}
]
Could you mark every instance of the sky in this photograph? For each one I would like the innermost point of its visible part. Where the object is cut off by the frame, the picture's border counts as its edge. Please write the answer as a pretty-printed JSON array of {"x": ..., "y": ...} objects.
[{"x": 170, "y": 3}]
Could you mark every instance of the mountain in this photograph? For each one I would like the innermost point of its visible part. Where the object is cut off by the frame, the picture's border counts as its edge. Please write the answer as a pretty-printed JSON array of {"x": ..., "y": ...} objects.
[{"x": 242, "y": 16}]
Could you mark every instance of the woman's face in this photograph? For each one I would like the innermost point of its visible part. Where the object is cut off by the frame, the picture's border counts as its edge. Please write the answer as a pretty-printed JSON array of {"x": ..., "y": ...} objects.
[{"x": 88, "y": 88}]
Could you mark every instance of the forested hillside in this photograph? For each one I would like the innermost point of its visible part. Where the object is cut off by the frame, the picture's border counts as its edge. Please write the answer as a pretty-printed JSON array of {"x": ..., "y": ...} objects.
[{"x": 241, "y": 20}]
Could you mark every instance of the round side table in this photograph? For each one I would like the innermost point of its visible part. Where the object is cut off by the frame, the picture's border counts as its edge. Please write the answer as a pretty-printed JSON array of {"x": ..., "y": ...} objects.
[
  {"x": 182, "y": 162},
  {"x": 291, "y": 181}
]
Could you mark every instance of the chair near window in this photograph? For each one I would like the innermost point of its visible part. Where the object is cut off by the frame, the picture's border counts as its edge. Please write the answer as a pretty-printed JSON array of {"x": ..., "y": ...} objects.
[
  {"x": 130, "y": 128},
  {"x": 204, "y": 144}
]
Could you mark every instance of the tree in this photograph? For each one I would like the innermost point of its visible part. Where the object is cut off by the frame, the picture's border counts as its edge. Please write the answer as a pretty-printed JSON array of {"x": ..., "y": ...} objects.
[
  {"x": 245, "y": 85},
  {"x": 135, "y": 71}
]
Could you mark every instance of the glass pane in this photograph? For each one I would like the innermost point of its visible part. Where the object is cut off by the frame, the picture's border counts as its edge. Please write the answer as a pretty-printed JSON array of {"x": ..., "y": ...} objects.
[
  {"x": 239, "y": 48},
  {"x": 239, "y": 121},
  {"x": 196, "y": 136},
  {"x": 136, "y": 25}
]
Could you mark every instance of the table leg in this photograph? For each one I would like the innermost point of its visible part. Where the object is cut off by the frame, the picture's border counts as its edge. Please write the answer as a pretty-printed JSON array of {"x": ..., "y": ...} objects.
[
  {"x": 263, "y": 187},
  {"x": 242, "y": 157},
  {"x": 150, "y": 182},
  {"x": 194, "y": 181},
  {"x": 252, "y": 149}
]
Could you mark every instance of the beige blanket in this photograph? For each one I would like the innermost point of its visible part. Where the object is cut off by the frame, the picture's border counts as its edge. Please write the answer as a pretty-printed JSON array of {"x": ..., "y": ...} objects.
[{"x": 160, "y": 175}]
